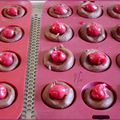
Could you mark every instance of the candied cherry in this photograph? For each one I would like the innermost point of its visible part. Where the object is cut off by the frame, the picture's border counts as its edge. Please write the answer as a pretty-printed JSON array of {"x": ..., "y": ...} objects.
[
  {"x": 8, "y": 33},
  {"x": 58, "y": 28},
  {"x": 117, "y": 8},
  {"x": 99, "y": 92},
  {"x": 3, "y": 92},
  {"x": 97, "y": 58},
  {"x": 58, "y": 92},
  {"x": 13, "y": 11},
  {"x": 58, "y": 56},
  {"x": 94, "y": 30},
  {"x": 90, "y": 7},
  {"x": 61, "y": 9},
  {"x": 6, "y": 59}
]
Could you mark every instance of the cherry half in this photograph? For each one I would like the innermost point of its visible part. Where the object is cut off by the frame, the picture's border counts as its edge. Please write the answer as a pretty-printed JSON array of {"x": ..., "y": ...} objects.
[
  {"x": 90, "y": 7},
  {"x": 3, "y": 92},
  {"x": 61, "y": 9},
  {"x": 58, "y": 56},
  {"x": 97, "y": 58},
  {"x": 94, "y": 30},
  {"x": 6, "y": 59},
  {"x": 117, "y": 8},
  {"x": 58, "y": 92},
  {"x": 8, "y": 32},
  {"x": 99, "y": 92},
  {"x": 13, "y": 11},
  {"x": 58, "y": 28}
]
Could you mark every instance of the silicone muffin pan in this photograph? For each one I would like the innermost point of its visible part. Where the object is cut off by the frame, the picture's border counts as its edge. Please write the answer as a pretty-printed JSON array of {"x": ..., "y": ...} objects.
[
  {"x": 13, "y": 56},
  {"x": 80, "y": 77}
]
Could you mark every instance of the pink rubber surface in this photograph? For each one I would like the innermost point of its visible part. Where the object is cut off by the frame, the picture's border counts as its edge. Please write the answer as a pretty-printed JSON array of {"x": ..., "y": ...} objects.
[
  {"x": 17, "y": 77},
  {"x": 78, "y": 77}
]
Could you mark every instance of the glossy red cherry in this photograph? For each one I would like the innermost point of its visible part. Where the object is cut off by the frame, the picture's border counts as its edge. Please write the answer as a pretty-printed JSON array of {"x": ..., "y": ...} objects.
[
  {"x": 94, "y": 30},
  {"x": 97, "y": 58},
  {"x": 58, "y": 28},
  {"x": 90, "y": 7},
  {"x": 8, "y": 33},
  {"x": 3, "y": 92},
  {"x": 61, "y": 9},
  {"x": 13, "y": 11},
  {"x": 58, "y": 56},
  {"x": 117, "y": 8},
  {"x": 58, "y": 92},
  {"x": 6, "y": 59},
  {"x": 118, "y": 30},
  {"x": 99, "y": 92}
]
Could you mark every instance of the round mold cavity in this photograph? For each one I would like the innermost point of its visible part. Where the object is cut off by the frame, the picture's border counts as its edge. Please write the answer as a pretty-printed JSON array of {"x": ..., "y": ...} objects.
[
  {"x": 55, "y": 16},
  {"x": 17, "y": 58},
  {"x": 89, "y": 66},
  {"x": 19, "y": 33},
  {"x": 52, "y": 37},
  {"x": 118, "y": 60},
  {"x": 57, "y": 70},
  {"x": 92, "y": 1},
  {"x": 22, "y": 11},
  {"x": 16, "y": 94},
  {"x": 58, "y": 100},
  {"x": 114, "y": 33},
  {"x": 92, "y": 42},
  {"x": 91, "y": 85},
  {"x": 111, "y": 13}
]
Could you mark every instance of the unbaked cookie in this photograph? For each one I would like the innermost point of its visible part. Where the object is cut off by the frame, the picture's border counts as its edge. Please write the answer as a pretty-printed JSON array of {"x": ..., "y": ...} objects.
[
  {"x": 94, "y": 60},
  {"x": 89, "y": 10},
  {"x": 59, "y": 32},
  {"x": 58, "y": 95},
  {"x": 59, "y": 59},
  {"x": 60, "y": 11},
  {"x": 92, "y": 32}
]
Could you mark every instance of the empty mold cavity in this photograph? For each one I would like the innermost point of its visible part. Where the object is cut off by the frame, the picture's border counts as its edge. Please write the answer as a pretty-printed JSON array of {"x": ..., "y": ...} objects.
[{"x": 100, "y": 104}]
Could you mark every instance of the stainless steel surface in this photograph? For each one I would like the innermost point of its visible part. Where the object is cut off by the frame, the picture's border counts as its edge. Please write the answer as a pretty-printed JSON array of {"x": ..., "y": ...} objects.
[{"x": 28, "y": 110}]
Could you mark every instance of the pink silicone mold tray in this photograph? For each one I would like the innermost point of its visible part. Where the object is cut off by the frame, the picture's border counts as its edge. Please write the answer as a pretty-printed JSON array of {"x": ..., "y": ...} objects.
[
  {"x": 16, "y": 77},
  {"x": 78, "y": 76}
]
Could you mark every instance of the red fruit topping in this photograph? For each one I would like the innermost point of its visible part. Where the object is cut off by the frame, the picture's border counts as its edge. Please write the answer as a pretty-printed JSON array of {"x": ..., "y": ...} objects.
[
  {"x": 99, "y": 92},
  {"x": 118, "y": 30},
  {"x": 58, "y": 92},
  {"x": 58, "y": 28},
  {"x": 97, "y": 58},
  {"x": 13, "y": 11},
  {"x": 6, "y": 59},
  {"x": 61, "y": 9},
  {"x": 58, "y": 56},
  {"x": 117, "y": 8},
  {"x": 94, "y": 30},
  {"x": 90, "y": 7},
  {"x": 8, "y": 33},
  {"x": 3, "y": 92}
]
